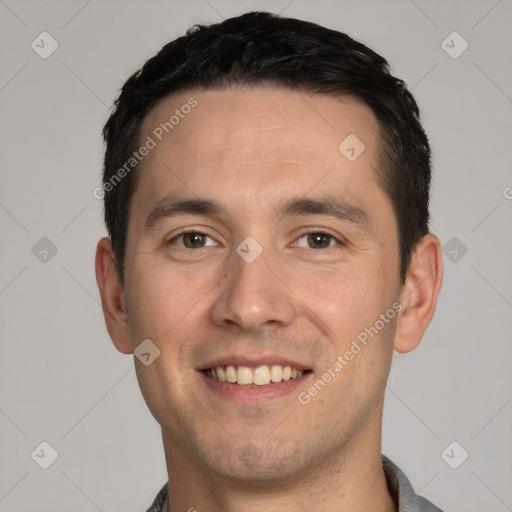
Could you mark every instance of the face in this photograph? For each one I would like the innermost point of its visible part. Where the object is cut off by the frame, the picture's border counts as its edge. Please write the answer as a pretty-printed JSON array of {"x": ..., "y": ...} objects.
[{"x": 256, "y": 244}]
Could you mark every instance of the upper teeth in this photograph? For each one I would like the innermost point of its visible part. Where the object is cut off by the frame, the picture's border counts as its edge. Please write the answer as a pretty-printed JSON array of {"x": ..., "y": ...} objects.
[{"x": 260, "y": 376}]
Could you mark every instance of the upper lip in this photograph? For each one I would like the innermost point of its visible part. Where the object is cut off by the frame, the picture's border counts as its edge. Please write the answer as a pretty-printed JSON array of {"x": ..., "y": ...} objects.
[{"x": 253, "y": 362}]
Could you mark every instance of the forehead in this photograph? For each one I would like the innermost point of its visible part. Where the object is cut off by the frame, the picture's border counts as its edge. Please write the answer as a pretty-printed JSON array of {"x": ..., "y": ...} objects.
[
  {"x": 230, "y": 118},
  {"x": 263, "y": 143}
]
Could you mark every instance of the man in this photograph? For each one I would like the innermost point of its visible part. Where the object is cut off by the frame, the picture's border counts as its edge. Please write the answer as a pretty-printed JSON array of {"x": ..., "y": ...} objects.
[{"x": 266, "y": 194}]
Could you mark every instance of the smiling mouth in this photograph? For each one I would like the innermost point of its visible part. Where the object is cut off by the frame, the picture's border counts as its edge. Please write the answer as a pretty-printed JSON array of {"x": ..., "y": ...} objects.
[{"x": 258, "y": 376}]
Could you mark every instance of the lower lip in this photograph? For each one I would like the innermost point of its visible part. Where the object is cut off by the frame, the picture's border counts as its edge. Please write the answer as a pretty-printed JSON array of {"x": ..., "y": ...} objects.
[{"x": 254, "y": 394}]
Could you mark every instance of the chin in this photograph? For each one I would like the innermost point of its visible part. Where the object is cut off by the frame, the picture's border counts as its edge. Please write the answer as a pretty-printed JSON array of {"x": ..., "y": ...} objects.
[{"x": 258, "y": 466}]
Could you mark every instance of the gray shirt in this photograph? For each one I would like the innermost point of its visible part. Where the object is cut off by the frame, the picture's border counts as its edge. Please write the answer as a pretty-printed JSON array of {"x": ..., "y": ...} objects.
[{"x": 398, "y": 484}]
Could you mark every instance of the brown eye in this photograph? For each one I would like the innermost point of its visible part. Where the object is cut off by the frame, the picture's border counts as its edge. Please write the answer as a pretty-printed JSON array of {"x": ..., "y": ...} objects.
[
  {"x": 191, "y": 240},
  {"x": 317, "y": 240}
]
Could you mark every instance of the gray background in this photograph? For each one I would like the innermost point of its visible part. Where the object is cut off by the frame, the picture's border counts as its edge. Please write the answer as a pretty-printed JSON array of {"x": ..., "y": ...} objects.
[{"x": 62, "y": 381}]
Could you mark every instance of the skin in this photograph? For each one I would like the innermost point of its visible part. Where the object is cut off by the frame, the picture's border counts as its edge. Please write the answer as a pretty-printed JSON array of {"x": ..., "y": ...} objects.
[{"x": 251, "y": 149}]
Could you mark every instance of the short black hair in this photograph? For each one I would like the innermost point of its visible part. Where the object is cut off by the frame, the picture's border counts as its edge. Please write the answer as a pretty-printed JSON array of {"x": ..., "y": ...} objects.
[{"x": 260, "y": 48}]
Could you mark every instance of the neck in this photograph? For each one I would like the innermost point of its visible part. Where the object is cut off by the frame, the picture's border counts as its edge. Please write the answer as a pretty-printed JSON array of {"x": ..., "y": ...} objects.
[{"x": 350, "y": 481}]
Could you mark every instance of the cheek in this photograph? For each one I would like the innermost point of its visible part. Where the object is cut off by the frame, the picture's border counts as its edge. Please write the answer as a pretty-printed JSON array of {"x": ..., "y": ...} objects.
[
  {"x": 347, "y": 301},
  {"x": 161, "y": 300},
  {"x": 164, "y": 308},
  {"x": 350, "y": 307},
  {"x": 361, "y": 343}
]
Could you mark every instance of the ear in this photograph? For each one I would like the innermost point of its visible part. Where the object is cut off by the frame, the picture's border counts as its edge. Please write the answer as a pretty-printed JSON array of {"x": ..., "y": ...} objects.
[
  {"x": 419, "y": 293},
  {"x": 112, "y": 297}
]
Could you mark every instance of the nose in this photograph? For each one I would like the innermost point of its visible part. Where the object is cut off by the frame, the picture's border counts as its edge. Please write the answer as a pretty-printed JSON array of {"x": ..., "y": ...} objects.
[{"x": 252, "y": 297}]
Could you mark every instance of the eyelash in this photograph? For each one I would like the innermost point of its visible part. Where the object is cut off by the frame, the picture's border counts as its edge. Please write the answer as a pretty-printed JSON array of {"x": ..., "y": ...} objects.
[{"x": 313, "y": 232}]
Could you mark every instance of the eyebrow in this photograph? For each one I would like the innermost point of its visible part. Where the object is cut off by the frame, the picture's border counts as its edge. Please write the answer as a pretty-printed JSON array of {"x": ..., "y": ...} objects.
[
  {"x": 329, "y": 205},
  {"x": 172, "y": 206}
]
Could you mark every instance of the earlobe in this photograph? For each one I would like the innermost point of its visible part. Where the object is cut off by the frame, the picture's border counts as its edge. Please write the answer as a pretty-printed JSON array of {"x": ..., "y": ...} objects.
[
  {"x": 112, "y": 297},
  {"x": 419, "y": 293}
]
